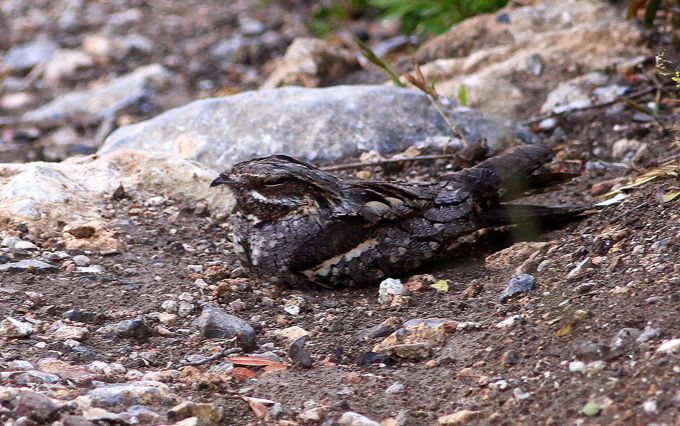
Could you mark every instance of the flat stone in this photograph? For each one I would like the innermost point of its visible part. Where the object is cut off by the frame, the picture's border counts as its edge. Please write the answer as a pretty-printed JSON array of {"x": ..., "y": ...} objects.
[
  {"x": 396, "y": 387},
  {"x": 368, "y": 358},
  {"x": 574, "y": 93},
  {"x": 514, "y": 255},
  {"x": 351, "y": 418},
  {"x": 580, "y": 268},
  {"x": 71, "y": 420},
  {"x": 65, "y": 62},
  {"x": 416, "y": 338},
  {"x": 290, "y": 334},
  {"x": 15, "y": 101},
  {"x": 34, "y": 406},
  {"x": 313, "y": 415},
  {"x": 95, "y": 269},
  {"x": 19, "y": 364},
  {"x": 45, "y": 196},
  {"x": 669, "y": 347},
  {"x": 10, "y": 242},
  {"x": 133, "y": 328},
  {"x": 215, "y": 323},
  {"x": 81, "y": 260},
  {"x": 133, "y": 393},
  {"x": 75, "y": 373},
  {"x": 27, "y": 378},
  {"x": 521, "y": 283},
  {"x": 509, "y": 322},
  {"x": 206, "y": 413},
  {"x": 27, "y": 265},
  {"x": 28, "y": 55},
  {"x": 76, "y": 315},
  {"x": 104, "y": 101},
  {"x": 66, "y": 332},
  {"x": 10, "y": 327},
  {"x": 25, "y": 245},
  {"x": 107, "y": 369},
  {"x": 649, "y": 333},
  {"x": 458, "y": 418}
]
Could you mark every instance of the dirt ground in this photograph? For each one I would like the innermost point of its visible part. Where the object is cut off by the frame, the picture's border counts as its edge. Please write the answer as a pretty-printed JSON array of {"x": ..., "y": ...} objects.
[
  {"x": 518, "y": 374},
  {"x": 632, "y": 282}
]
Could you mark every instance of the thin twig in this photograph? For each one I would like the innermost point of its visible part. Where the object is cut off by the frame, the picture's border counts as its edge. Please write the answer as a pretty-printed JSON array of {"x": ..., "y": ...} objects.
[
  {"x": 360, "y": 164},
  {"x": 419, "y": 81},
  {"x": 464, "y": 156},
  {"x": 627, "y": 212},
  {"x": 593, "y": 106},
  {"x": 224, "y": 352}
]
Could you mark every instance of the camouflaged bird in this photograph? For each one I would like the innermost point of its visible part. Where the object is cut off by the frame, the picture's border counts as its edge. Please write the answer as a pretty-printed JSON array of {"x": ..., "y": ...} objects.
[{"x": 297, "y": 225}]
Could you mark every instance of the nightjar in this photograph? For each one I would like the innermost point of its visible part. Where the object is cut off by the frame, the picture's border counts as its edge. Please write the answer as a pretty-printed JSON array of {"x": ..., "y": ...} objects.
[{"x": 297, "y": 225}]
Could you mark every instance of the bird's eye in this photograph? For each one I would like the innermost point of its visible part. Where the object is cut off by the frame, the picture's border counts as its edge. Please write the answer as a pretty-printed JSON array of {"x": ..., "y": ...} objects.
[{"x": 276, "y": 181}]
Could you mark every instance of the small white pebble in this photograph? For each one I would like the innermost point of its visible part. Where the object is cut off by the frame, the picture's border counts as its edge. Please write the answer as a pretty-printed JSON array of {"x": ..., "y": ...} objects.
[
  {"x": 25, "y": 245},
  {"x": 187, "y": 297},
  {"x": 195, "y": 268},
  {"x": 650, "y": 407},
  {"x": 669, "y": 346},
  {"x": 155, "y": 201},
  {"x": 499, "y": 385},
  {"x": 596, "y": 366},
  {"x": 577, "y": 367},
  {"x": 81, "y": 260},
  {"x": 293, "y": 310},
  {"x": 510, "y": 321},
  {"x": 395, "y": 387},
  {"x": 169, "y": 306},
  {"x": 519, "y": 395}
]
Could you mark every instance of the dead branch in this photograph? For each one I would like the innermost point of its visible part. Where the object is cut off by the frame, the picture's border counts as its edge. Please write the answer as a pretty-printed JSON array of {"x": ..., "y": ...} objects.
[
  {"x": 419, "y": 81},
  {"x": 217, "y": 355},
  {"x": 464, "y": 157},
  {"x": 589, "y": 107}
]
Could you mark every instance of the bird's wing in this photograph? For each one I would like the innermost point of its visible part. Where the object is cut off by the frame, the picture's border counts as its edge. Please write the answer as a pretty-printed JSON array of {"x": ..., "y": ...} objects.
[{"x": 377, "y": 200}]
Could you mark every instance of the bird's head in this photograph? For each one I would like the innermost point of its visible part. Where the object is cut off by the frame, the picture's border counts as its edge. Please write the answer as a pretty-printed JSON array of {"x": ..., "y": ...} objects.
[{"x": 273, "y": 186}]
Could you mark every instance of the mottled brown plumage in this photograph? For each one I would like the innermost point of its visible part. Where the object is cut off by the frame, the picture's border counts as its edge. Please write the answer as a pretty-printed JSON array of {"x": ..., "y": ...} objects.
[{"x": 298, "y": 225}]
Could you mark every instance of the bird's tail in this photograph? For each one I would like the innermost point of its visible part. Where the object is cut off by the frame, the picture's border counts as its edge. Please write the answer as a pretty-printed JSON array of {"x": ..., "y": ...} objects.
[
  {"x": 528, "y": 215},
  {"x": 514, "y": 174},
  {"x": 511, "y": 170}
]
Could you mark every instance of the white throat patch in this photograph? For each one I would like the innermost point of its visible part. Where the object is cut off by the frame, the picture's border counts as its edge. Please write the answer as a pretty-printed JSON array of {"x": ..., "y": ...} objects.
[{"x": 289, "y": 202}]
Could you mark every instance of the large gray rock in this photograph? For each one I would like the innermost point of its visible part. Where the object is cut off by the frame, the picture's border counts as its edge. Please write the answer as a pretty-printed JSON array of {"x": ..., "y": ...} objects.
[
  {"x": 312, "y": 124},
  {"x": 106, "y": 100},
  {"x": 45, "y": 196}
]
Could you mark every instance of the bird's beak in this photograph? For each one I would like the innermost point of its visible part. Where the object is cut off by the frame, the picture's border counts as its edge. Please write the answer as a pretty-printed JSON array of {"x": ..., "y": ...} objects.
[{"x": 221, "y": 180}]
